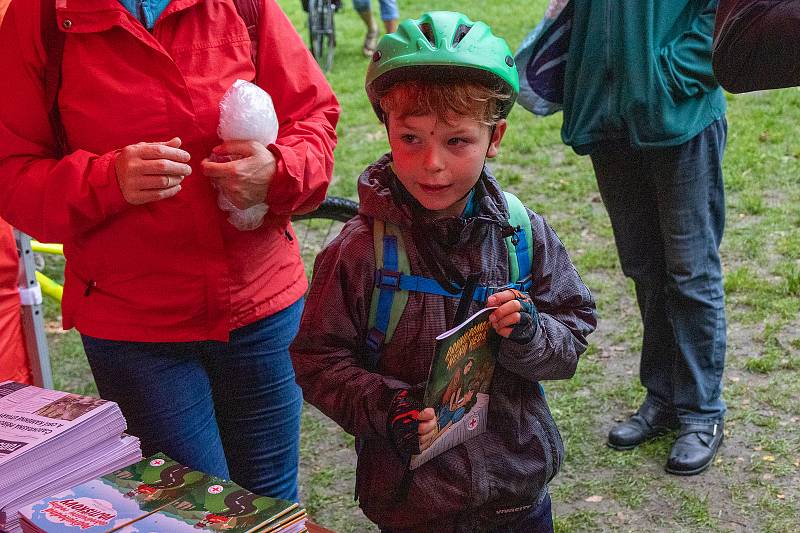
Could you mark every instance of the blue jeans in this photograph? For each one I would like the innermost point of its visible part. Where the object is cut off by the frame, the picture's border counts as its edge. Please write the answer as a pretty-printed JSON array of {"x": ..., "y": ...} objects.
[
  {"x": 445, "y": 415},
  {"x": 231, "y": 409},
  {"x": 667, "y": 210},
  {"x": 389, "y": 9}
]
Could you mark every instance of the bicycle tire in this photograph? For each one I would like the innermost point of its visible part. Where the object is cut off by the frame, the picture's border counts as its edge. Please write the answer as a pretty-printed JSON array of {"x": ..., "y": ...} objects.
[
  {"x": 315, "y": 230},
  {"x": 322, "y": 32},
  {"x": 333, "y": 208}
]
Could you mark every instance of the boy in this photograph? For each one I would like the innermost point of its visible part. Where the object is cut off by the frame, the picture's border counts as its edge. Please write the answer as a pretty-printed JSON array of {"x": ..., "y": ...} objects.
[{"x": 443, "y": 86}]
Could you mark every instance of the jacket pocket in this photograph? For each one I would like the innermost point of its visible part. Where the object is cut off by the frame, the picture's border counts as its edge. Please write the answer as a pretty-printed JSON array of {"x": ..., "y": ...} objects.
[
  {"x": 553, "y": 445},
  {"x": 440, "y": 488}
]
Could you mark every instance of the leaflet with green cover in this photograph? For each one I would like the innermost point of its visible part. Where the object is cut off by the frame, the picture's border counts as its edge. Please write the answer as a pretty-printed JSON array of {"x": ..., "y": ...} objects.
[
  {"x": 155, "y": 494},
  {"x": 458, "y": 383},
  {"x": 218, "y": 505}
]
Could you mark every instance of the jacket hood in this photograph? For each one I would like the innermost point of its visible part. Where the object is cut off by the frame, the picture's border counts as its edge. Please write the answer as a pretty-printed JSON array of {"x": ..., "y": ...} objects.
[{"x": 382, "y": 196}]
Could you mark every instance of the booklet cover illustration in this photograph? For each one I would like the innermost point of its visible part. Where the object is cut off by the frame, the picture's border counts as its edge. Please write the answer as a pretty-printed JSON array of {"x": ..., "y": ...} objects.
[
  {"x": 115, "y": 500},
  {"x": 458, "y": 383},
  {"x": 160, "y": 494}
]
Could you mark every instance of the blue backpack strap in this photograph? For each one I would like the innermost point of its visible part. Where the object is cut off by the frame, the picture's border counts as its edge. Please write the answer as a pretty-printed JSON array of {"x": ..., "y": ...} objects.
[
  {"x": 388, "y": 297},
  {"x": 393, "y": 277},
  {"x": 520, "y": 244},
  {"x": 520, "y": 247}
]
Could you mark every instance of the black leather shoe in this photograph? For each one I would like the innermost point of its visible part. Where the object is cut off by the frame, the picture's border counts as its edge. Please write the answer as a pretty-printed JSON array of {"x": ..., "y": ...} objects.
[
  {"x": 647, "y": 423},
  {"x": 694, "y": 449}
]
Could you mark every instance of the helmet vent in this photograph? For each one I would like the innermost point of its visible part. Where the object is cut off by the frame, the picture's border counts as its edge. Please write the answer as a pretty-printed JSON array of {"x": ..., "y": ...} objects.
[
  {"x": 427, "y": 31},
  {"x": 461, "y": 32}
]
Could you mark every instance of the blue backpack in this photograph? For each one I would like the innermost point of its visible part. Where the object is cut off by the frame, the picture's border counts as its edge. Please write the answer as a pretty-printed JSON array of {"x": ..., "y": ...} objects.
[{"x": 393, "y": 278}]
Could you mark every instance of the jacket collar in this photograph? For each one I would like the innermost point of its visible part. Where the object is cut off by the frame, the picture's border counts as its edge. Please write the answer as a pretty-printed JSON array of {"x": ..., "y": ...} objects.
[{"x": 90, "y": 16}]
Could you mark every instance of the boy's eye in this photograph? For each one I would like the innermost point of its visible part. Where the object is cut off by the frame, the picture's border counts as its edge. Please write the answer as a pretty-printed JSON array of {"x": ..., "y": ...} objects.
[
  {"x": 408, "y": 138},
  {"x": 455, "y": 141}
]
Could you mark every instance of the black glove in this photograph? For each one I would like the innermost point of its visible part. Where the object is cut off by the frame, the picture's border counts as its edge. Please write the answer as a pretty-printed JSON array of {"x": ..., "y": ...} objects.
[
  {"x": 403, "y": 422},
  {"x": 525, "y": 329}
]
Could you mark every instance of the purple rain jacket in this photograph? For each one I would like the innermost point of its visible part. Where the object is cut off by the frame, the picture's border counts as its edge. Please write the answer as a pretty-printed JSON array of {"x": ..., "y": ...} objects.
[{"x": 489, "y": 478}]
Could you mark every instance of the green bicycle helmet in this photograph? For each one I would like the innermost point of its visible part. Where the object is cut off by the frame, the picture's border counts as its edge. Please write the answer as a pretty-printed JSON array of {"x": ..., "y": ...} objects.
[{"x": 442, "y": 45}]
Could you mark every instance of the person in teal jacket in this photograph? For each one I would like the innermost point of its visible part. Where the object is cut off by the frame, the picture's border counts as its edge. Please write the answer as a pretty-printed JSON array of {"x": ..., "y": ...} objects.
[{"x": 641, "y": 100}]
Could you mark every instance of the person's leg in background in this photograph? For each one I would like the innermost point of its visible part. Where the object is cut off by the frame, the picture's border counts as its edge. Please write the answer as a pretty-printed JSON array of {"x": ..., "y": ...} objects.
[
  {"x": 668, "y": 217},
  {"x": 389, "y": 15},
  {"x": 164, "y": 393},
  {"x": 258, "y": 403},
  {"x": 691, "y": 209},
  {"x": 364, "y": 10},
  {"x": 630, "y": 200}
]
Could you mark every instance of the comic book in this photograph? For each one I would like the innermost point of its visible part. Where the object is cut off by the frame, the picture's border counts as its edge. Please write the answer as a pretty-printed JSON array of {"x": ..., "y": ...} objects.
[
  {"x": 458, "y": 383},
  {"x": 220, "y": 505},
  {"x": 114, "y": 501},
  {"x": 160, "y": 494}
]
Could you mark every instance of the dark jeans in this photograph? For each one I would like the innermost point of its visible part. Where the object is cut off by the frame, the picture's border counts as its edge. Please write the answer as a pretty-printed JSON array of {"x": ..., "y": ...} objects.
[
  {"x": 231, "y": 409},
  {"x": 667, "y": 210}
]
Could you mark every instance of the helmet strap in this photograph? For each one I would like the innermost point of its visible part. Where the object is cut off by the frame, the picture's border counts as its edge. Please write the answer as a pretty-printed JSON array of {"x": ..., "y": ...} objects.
[{"x": 491, "y": 136}]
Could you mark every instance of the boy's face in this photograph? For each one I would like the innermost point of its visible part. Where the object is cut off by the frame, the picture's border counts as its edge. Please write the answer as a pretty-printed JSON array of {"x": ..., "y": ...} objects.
[{"x": 440, "y": 161}]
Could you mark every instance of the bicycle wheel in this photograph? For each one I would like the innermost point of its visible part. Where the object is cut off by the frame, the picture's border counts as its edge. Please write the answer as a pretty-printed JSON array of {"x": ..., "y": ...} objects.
[
  {"x": 316, "y": 229},
  {"x": 322, "y": 33}
]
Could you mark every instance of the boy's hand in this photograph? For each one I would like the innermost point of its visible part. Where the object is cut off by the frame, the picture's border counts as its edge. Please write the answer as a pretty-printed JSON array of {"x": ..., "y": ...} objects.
[
  {"x": 427, "y": 428},
  {"x": 516, "y": 317}
]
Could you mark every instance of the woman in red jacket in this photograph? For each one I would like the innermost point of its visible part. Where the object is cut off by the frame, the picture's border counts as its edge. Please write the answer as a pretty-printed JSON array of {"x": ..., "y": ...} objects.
[{"x": 186, "y": 320}]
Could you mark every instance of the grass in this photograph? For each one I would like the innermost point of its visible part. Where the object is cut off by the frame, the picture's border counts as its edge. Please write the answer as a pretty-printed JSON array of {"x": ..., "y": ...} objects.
[{"x": 755, "y": 483}]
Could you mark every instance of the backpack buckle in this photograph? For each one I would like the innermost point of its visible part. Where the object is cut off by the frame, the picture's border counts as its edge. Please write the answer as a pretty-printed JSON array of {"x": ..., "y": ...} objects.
[
  {"x": 374, "y": 340},
  {"x": 515, "y": 236},
  {"x": 387, "y": 279}
]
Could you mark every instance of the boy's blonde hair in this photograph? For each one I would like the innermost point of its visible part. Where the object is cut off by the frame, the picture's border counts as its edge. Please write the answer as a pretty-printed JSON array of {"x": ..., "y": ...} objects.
[{"x": 445, "y": 99}]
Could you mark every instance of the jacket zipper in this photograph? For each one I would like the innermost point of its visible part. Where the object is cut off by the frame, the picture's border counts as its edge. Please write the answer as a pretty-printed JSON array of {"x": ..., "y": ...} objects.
[{"x": 89, "y": 286}]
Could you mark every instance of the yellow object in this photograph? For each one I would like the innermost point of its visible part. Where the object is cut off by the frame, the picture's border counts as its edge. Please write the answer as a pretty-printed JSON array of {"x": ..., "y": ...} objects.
[
  {"x": 49, "y": 287},
  {"x": 47, "y": 248}
]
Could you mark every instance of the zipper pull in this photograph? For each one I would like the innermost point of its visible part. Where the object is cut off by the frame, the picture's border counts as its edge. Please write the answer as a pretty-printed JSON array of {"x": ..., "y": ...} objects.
[{"x": 89, "y": 286}]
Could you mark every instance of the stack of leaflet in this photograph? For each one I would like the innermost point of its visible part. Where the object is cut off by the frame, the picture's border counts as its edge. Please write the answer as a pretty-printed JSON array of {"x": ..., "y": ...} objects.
[
  {"x": 52, "y": 440},
  {"x": 160, "y": 494}
]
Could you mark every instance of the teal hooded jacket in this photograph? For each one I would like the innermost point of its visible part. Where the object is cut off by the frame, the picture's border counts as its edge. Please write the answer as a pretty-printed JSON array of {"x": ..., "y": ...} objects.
[{"x": 640, "y": 70}]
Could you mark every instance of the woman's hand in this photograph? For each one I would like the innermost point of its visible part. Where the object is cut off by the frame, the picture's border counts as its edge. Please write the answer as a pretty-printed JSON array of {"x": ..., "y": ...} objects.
[
  {"x": 148, "y": 172},
  {"x": 246, "y": 173},
  {"x": 515, "y": 310}
]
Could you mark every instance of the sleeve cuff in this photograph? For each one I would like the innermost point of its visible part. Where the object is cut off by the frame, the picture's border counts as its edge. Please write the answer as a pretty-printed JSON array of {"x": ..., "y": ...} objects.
[
  {"x": 380, "y": 412},
  {"x": 281, "y": 188},
  {"x": 106, "y": 188}
]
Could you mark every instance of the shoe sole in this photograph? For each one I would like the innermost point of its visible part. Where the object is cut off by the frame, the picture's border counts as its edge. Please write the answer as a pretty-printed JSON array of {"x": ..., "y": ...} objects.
[
  {"x": 698, "y": 470},
  {"x": 624, "y": 448}
]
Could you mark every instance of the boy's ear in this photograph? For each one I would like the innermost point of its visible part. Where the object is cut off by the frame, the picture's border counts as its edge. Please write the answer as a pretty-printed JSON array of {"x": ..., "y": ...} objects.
[{"x": 497, "y": 136}]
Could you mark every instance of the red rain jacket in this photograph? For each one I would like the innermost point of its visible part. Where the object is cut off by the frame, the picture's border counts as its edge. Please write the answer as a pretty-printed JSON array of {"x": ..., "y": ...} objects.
[
  {"x": 173, "y": 270},
  {"x": 13, "y": 359}
]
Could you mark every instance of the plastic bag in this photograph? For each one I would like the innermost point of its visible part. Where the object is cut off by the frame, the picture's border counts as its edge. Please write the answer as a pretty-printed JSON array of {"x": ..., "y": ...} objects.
[{"x": 246, "y": 113}]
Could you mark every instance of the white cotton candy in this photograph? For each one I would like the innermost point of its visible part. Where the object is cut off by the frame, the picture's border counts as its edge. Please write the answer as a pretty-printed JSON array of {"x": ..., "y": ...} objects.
[{"x": 246, "y": 113}]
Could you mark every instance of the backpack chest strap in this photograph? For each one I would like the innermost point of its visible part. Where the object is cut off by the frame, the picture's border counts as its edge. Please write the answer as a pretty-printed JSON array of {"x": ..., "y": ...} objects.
[
  {"x": 387, "y": 280},
  {"x": 392, "y": 285}
]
